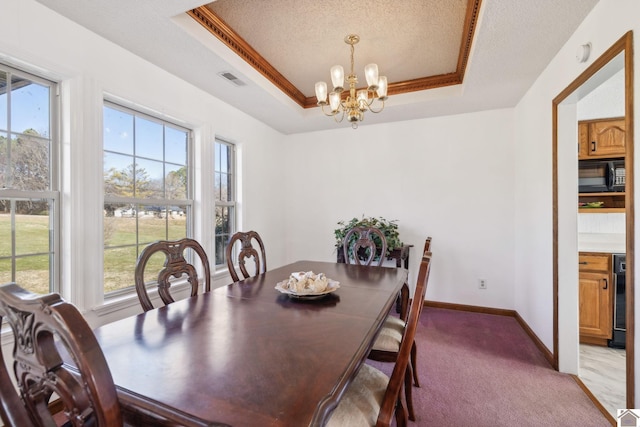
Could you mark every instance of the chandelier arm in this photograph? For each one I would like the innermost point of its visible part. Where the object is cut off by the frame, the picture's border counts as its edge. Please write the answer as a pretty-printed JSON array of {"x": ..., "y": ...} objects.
[
  {"x": 335, "y": 116},
  {"x": 331, "y": 114},
  {"x": 376, "y": 111},
  {"x": 369, "y": 101}
]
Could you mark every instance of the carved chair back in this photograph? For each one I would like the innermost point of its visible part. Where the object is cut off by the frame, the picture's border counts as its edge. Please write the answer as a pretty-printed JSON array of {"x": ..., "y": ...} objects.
[
  {"x": 174, "y": 267},
  {"x": 246, "y": 250},
  {"x": 363, "y": 249},
  {"x": 45, "y": 328}
]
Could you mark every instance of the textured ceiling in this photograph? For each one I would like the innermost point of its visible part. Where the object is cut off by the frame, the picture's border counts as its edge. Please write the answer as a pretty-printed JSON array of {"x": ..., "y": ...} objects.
[
  {"x": 420, "y": 39},
  {"x": 513, "y": 42}
]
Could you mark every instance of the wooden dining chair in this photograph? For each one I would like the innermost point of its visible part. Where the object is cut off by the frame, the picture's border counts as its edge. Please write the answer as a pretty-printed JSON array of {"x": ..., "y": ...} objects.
[
  {"x": 174, "y": 267},
  {"x": 244, "y": 251},
  {"x": 373, "y": 399},
  {"x": 427, "y": 245},
  {"x": 359, "y": 246},
  {"x": 45, "y": 328},
  {"x": 387, "y": 345}
]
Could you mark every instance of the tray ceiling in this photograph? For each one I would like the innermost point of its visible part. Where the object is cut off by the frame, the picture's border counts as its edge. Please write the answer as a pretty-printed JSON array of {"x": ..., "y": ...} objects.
[{"x": 421, "y": 45}]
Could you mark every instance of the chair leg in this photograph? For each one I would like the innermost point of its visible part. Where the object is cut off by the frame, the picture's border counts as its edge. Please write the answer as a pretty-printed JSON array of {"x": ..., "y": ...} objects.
[
  {"x": 408, "y": 392},
  {"x": 414, "y": 366},
  {"x": 401, "y": 411}
]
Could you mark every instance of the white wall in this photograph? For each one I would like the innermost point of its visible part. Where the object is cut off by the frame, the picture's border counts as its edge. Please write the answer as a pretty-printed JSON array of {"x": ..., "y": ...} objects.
[
  {"x": 447, "y": 177},
  {"x": 89, "y": 68},
  {"x": 608, "y": 21},
  {"x": 607, "y": 100}
]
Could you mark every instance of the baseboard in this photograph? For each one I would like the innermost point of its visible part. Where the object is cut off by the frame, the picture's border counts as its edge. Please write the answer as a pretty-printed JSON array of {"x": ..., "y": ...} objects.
[
  {"x": 500, "y": 312},
  {"x": 595, "y": 401}
]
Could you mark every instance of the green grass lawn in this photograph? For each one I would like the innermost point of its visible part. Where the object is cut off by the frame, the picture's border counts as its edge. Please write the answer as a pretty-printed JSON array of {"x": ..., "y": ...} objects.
[
  {"x": 32, "y": 237},
  {"x": 32, "y": 247}
]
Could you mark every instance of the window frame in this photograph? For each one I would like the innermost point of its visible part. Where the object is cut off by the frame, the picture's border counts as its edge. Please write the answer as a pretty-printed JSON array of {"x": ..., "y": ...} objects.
[
  {"x": 189, "y": 202},
  {"x": 52, "y": 194},
  {"x": 233, "y": 203}
]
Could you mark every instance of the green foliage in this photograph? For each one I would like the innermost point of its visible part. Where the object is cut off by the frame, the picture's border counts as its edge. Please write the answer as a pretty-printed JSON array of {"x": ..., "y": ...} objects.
[{"x": 388, "y": 227}]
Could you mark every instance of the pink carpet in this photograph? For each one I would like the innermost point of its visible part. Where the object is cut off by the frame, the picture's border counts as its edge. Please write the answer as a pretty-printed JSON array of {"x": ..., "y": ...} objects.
[{"x": 483, "y": 370}]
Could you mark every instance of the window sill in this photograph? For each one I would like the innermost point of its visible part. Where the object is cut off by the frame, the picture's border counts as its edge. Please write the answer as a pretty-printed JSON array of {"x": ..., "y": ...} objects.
[
  {"x": 113, "y": 304},
  {"x": 130, "y": 299}
]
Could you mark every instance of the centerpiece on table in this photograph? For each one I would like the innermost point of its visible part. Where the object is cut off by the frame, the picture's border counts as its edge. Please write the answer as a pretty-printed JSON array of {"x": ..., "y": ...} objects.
[{"x": 388, "y": 227}]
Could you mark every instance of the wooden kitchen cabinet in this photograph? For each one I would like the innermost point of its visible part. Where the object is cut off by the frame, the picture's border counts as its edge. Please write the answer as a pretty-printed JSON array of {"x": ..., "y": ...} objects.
[
  {"x": 596, "y": 297},
  {"x": 601, "y": 138}
]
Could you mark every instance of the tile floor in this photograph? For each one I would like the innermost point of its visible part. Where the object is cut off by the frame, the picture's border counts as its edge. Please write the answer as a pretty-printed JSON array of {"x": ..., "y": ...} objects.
[{"x": 603, "y": 370}]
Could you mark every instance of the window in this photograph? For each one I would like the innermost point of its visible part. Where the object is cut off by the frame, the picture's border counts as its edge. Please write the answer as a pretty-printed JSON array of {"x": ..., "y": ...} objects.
[
  {"x": 28, "y": 182},
  {"x": 147, "y": 195},
  {"x": 225, "y": 197}
]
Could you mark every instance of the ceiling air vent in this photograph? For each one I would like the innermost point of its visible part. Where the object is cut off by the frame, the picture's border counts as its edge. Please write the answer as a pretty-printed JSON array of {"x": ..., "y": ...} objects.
[{"x": 231, "y": 78}]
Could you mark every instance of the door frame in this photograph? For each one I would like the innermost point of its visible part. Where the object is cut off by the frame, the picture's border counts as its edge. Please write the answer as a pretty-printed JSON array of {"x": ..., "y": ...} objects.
[{"x": 624, "y": 44}]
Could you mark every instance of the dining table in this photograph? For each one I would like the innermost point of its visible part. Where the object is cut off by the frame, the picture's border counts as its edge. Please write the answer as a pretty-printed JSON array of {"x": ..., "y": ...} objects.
[{"x": 247, "y": 354}]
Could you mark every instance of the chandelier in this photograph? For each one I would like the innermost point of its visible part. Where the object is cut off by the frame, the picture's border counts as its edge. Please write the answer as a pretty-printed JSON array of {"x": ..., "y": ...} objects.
[{"x": 355, "y": 103}]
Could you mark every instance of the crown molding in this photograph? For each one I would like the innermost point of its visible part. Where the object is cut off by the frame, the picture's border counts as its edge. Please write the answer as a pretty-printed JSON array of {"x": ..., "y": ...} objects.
[{"x": 216, "y": 26}]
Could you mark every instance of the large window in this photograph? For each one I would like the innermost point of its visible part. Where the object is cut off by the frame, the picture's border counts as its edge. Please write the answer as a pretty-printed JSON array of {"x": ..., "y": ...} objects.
[
  {"x": 147, "y": 194},
  {"x": 225, "y": 197},
  {"x": 28, "y": 182}
]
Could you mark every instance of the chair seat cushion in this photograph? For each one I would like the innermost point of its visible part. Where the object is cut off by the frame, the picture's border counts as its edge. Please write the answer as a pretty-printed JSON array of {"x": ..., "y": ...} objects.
[
  {"x": 360, "y": 404},
  {"x": 390, "y": 335}
]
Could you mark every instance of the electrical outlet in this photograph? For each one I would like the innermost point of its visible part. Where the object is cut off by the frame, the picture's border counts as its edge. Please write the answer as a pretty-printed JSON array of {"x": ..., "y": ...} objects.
[{"x": 482, "y": 284}]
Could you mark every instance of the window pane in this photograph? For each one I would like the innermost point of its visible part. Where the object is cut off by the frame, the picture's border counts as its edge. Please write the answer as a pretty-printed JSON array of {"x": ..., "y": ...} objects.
[
  {"x": 5, "y": 229},
  {"x": 119, "y": 266},
  {"x": 120, "y": 229},
  {"x": 152, "y": 226},
  {"x": 3, "y": 101},
  {"x": 221, "y": 244},
  {"x": 176, "y": 182},
  {"x": 224, "y": 158},
  {"x": 175, "y": 145},
  {"x": 177, "y": 223},
  {"x": 221, "y": 220},
  {"x": 5, "y": 270},
  {"x": 30, "y": 162},
  {"x": 224, "y": 229},
  {"x": 149, "y": 179},
  {"x": 32, "y": 273},
  {"x": 223, "y": 188},
  {"x": 118, "y": 175},
  {"x": 118, "y": 131},
  {"x": 228, "y": 187},
  {"x": 217, "y": 186},
  {"x": 4, "y": 159},
  {"x": 149, "y": 139},
  {"x": 29, "y": 107},
  {"x": 32, "y": 228}
]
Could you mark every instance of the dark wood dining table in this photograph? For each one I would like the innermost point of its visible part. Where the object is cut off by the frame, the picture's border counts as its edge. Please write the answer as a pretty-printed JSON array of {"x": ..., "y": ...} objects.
[{"x": 248, "y": 355}]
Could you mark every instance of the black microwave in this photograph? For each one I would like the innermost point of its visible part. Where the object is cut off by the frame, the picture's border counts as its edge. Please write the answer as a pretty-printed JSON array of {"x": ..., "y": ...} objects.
[{"x": 598, "y": 176}]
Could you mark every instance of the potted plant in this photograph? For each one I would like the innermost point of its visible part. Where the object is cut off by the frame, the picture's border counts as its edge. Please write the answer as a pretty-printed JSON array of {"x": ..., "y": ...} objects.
[{"x": 388, "y": 227}]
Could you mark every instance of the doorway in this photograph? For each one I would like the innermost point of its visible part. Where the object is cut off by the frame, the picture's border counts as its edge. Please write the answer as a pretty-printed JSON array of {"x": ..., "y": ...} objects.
[{"x": 617, "y": 59}]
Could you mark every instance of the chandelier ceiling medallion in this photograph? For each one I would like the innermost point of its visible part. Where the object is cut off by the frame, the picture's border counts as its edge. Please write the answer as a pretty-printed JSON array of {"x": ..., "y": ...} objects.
[{"x": 356, "y": 102}]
